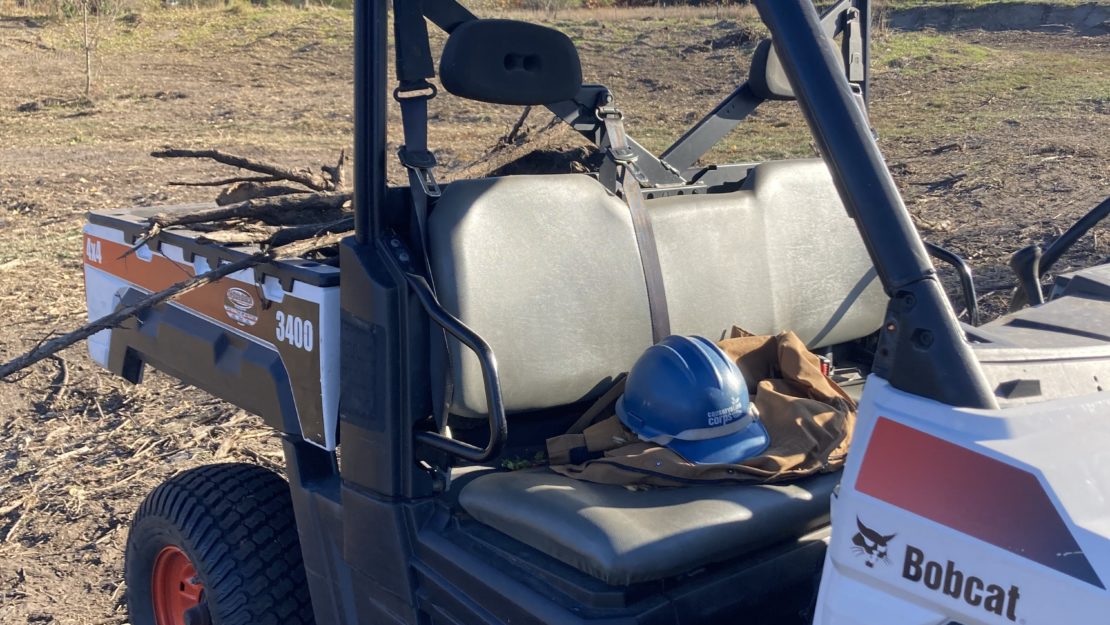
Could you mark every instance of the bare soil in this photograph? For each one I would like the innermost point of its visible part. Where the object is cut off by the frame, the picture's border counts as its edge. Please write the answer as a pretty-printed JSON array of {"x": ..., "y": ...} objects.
[
  {"x": 997, "y": 139},
  {"x": 1086, "y": 18}
]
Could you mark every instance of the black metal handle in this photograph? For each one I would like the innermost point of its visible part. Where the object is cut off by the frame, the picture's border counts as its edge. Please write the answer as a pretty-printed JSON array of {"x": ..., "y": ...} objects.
[
  {"x": 1026, "y": 263},
  {"x": 1073, "y": 234},
  {"x": 1033, "y": 262},
  {"x": 963, "y": 270},
  {"x": 495, "y": 406}
]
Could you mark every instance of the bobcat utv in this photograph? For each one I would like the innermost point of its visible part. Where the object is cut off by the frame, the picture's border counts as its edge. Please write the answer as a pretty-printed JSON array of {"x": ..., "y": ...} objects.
[{"x": 465, "y": 323}]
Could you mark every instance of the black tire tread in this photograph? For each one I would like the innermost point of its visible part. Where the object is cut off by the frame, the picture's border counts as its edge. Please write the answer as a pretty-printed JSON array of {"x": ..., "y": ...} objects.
[{"x": 239, "y": 519}]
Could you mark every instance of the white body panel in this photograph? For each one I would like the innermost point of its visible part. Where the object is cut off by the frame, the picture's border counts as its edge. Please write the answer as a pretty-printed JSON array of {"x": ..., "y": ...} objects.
[{"x": 1063, "y": 445}]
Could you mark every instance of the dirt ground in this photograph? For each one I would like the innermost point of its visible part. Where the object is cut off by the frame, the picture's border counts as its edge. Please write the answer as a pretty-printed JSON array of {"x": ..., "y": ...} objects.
[{"x": 997, "y": 139}]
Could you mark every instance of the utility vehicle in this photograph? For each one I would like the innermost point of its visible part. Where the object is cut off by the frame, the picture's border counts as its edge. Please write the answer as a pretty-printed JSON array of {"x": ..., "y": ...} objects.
[{"x": 465, "y": 323}]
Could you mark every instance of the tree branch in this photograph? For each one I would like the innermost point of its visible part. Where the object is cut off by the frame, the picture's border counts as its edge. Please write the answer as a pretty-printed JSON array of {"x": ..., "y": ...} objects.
[
  {"x": 224, "y": 182},
  {"x": 338, "y": 174},
  {"x": 243, "y": 191},
  {"x": 303, "y": 177},
  {"x": 286, "y": 236},
  {"x": 50, "y": 347},
  {"x": 274, "y": 211}
]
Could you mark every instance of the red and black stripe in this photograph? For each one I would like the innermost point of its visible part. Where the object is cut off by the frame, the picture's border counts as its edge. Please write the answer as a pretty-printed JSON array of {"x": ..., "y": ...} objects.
[{"x": 970, "y": 492}]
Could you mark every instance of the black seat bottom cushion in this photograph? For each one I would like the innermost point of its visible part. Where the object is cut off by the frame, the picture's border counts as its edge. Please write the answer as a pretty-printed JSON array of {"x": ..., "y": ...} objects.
[{"x": 622, "y": 537}]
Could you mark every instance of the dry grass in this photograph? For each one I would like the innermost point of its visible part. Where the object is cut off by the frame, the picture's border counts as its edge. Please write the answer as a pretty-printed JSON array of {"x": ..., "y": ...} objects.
[{"x": 997, "y": 140}]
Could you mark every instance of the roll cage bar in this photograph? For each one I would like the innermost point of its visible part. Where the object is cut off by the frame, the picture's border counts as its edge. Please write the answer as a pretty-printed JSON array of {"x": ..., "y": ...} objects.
[{"x": 922, "y": 348}]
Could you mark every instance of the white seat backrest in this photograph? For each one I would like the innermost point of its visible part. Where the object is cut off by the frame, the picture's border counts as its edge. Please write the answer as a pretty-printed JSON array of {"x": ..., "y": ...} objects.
[
  {"x": 780, "y": 254},
  {"x": 546, "y": 269}
]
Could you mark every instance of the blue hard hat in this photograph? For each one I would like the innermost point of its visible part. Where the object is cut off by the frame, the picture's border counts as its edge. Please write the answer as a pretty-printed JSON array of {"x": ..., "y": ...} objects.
[{"x": 685, "y": 394}]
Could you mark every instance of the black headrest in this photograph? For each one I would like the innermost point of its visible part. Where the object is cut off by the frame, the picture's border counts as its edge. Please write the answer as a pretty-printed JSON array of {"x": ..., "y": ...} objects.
[
  {"x": 510, "y": 62},
  {"x": 767, "y": 78}
]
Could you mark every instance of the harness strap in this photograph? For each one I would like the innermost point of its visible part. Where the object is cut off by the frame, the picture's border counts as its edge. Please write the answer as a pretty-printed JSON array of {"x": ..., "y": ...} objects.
[
  {"x": 629, "y": 178},
  {"x": 414, "y": 68},
  {"x": 410, "y": 32}
]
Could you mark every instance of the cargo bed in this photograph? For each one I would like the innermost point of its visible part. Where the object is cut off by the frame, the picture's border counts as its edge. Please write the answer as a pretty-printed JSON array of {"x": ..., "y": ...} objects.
[{"x": 265, "y": 338}]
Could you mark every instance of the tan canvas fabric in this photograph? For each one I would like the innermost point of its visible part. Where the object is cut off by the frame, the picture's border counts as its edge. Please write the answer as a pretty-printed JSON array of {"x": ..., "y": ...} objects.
[{"x": 809, "y": 419}]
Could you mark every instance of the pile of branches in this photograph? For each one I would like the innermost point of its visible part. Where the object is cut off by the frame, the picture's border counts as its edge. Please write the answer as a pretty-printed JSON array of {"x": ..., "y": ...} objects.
[
  {"x": 275, "y": 205},
  {"x": 271, "y": 207},
  {"x": 278, "y": 212}
]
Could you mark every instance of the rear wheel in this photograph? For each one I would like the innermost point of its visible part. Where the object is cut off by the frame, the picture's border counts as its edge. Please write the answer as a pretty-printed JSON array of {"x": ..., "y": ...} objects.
[{"x": 217, "y": 545}]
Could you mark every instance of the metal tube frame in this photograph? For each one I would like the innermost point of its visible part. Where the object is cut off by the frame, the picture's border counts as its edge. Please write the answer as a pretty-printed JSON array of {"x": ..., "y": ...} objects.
[
  {"x": 1031, "y": 263},
  {"x": 495, "y": 406},
  {"x": 963, "y": 272},
  {"x": 922, "y": 349}
]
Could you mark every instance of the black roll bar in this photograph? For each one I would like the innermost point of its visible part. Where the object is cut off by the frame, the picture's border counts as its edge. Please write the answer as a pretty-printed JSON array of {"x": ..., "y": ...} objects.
[
  {"x": 844, "y": 139},
  {"x": 369, "y": 199},
  {"x": 922, "y": 349},
  {"x": 370, "y": 109}
]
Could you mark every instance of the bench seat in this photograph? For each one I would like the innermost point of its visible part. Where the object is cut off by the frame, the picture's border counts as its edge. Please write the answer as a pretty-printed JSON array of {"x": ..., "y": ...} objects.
[
  {"x": 546, "y": 269},
  {"x": 623, "y": 537}
]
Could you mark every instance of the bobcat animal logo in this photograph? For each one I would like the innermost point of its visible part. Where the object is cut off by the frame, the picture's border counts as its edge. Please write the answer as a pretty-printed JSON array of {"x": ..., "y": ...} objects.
[{"x": 871, "y": 544}]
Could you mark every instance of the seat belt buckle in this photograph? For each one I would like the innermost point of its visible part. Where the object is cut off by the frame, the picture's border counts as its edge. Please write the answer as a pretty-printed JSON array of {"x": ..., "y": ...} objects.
[
  {"x": 608, "y": 111},
  {"x": 422, "y": 90},
  {"x": 422, "y": 163},
  {"x": 624, "y": 155},
  {"x": 618, "y": 149}
]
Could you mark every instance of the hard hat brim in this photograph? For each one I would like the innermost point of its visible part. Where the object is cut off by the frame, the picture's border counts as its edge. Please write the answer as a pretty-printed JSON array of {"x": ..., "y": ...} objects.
[{"x": 731, "y": 449}]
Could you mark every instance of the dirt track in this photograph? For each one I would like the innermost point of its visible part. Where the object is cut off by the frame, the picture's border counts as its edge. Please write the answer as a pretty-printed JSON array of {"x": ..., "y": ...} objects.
[{"x": 997, "y": 139}]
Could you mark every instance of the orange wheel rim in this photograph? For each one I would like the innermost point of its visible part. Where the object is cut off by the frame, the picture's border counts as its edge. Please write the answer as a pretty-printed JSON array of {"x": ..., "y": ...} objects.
[{"x": 174, "y": 586}]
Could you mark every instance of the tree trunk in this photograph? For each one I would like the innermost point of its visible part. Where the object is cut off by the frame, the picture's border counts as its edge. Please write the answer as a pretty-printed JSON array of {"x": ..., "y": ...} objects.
[{"x": 88, "y": 50}]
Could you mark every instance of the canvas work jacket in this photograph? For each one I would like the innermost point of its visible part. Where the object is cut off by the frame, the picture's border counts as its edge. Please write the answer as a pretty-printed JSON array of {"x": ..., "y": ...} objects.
[{"x": 808, "y": 417}]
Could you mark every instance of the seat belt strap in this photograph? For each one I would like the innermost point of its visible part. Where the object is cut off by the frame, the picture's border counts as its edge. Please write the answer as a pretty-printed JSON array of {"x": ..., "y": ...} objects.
[
  {"x": 629, "y": 179},
  {"x": 414, "y": 67},
  {"x": 410, "y": 33},
  {"x": 414, "y": 153}
]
